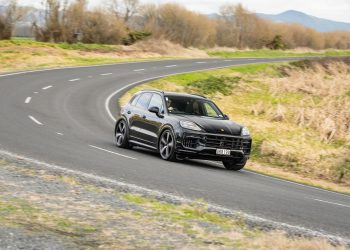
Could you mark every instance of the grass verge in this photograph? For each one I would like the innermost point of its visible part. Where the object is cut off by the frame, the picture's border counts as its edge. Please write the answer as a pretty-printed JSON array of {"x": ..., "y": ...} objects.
[
  {"x": 275, "y": 53},
  {"x": 21, "y": 54},
  {"x": 297, "y": 113},
  {"x": 38, "y": 204}
]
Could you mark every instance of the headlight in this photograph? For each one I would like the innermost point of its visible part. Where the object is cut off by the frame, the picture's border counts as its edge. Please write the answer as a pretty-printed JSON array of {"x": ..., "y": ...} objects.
[
  {"x": 245, "y": 132},
  {"x": 190, "y": 125}
]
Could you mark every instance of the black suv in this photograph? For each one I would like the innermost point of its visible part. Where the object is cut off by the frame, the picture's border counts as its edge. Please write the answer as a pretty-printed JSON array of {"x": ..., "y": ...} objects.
[{"x": 180, "y": 126}]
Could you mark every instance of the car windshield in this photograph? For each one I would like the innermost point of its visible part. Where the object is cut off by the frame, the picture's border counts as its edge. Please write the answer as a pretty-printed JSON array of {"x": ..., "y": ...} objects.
[{"x": 192, "y": 106}]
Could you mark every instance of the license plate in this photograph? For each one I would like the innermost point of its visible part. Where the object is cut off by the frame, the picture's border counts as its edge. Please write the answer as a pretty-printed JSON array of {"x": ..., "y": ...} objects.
[{"x": 223, "y": 152}]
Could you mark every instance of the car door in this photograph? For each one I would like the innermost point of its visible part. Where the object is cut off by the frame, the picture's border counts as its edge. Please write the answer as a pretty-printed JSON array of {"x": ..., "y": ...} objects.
[
  {"x": 154, "y": 122},
  {"x": 137, "y": 130}
]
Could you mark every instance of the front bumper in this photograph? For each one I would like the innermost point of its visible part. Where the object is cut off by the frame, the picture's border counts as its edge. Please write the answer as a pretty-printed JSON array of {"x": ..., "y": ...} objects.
[{"x": 199, "y": 145}]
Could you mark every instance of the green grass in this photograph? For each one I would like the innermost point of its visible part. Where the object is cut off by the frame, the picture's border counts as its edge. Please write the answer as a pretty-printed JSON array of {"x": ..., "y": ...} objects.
[
  {"x": 274, "y": 53},
  {"x": 237, "y": 90}
]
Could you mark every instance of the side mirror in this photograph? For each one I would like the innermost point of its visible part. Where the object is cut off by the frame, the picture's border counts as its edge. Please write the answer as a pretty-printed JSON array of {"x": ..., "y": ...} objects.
[
  {"x": 226, "y": 117},
  {"x": 155, "y": 110}
]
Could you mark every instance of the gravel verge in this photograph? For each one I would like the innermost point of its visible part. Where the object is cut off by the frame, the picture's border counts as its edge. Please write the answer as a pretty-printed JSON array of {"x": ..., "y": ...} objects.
[{"x": 44, "y": 206}]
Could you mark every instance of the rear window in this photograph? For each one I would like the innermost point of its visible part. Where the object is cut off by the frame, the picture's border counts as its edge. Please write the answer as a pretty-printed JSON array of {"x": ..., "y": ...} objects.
[
  {"x": 143, "y": 101},
  {"x": 134, "y": 99}
]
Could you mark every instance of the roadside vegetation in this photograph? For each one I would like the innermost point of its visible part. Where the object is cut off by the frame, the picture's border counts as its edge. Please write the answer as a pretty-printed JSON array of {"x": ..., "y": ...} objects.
[
  {"x": 128, "y": 21},
  {"x": 20, "y": 54},
  {"x": 40, "y": 208},
  {"x": 298, "y": 114}
]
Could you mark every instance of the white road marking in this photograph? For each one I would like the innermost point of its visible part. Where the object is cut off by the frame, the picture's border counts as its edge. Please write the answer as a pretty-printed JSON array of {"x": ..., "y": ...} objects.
[
  {"x": 106, "y": 74},
  {"x": 252, "y": 59},
  {"x": 137, "y": 70},
  {"x": 47, "y": 87},
  {"x": 28, "y": 99},
  {"x": 333, "y": 203},
  {"x": 227, "y": 60},
  {"x": 292, "y": 182},
  {"x": 170, "y": 66},
  {"x": 36, "y": 92},
  {"x": 201, "y": 62},
  {"x": 58, "y": 133},
  {"x": 74, "y": 80},
  {"x": 35, "y": 120},
  {"x": 111, "y": 152}
]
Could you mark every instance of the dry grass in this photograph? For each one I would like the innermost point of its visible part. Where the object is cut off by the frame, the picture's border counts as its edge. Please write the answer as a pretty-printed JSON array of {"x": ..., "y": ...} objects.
[
  {"x": 298, "y": 114},
  {"x": 278, "y": 241},
  {"x": 95, "y": 217},
  {"x": 25, "y": 55}
]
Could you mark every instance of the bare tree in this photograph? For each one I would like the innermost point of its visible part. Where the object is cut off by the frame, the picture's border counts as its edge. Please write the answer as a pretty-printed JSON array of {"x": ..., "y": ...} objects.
[
  {"x": 125, "y": 9},
  {"x": 8, "y": 19}
]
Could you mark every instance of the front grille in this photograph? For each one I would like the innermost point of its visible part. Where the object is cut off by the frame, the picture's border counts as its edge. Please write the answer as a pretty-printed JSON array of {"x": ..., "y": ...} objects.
[
  {"x": 212, "y": 141},
  {"x": 190, "y": 142},
  {"x": 223, "y": 142}
]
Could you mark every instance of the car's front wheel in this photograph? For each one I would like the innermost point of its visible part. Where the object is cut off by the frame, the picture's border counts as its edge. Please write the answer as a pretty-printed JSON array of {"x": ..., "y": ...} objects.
[
  {"x": 121, "y": 134},
  {"x": 236, "y": 164},
  {"x": 167, "y": 145}
]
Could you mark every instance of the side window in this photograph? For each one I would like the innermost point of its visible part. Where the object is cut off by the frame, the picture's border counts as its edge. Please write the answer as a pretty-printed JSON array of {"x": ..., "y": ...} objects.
[
  {"x": 156, "y": 101},
  {"x": 134, "y": 100},
  {"x": 210, "y": 110},
  {"x": 143, "y": 101}
]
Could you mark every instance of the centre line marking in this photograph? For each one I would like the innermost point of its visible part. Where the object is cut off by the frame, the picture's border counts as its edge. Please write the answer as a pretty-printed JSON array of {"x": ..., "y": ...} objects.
[
  {"x": 58, "y": 133},
  {"x": 74, "y": 80},
  {"x": 227, "y": 60},
  {"x": 35, "y": 120},
  {"x": 137, "y": 70},
  {"x": 28, "y": 99},
  {"x": 111, "y": 152},
  {"x": 47, "y": 87},
  {"x": 333, "y": 203},
  {"x": 170, "y": 66},
  {"x": 201, "y": 62},
  {"x": 106, "y": 74}
]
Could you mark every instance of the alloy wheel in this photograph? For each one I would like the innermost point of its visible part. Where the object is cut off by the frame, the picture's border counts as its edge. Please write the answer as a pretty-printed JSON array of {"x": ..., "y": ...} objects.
[
  {"x": 166, "y": 145},
  {"x": 120, "y": 133}
]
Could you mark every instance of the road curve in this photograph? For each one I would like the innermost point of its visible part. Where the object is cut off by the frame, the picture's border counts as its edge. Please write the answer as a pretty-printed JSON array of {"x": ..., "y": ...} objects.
[{"x": 59, "y": 116}]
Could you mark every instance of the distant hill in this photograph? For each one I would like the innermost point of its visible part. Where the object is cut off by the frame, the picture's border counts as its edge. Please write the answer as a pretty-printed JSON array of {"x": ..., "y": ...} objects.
[
  {"x": 316, "y": 23},
  {"x": 293, "y": 16}
]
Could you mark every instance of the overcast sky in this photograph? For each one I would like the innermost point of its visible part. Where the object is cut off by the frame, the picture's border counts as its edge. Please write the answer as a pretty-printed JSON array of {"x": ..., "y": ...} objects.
[{"x": 338, "y": 10}]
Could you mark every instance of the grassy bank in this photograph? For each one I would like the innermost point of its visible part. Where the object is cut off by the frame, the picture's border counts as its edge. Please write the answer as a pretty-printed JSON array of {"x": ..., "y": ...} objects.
[
  {"x": 42, "y": 209},
  {"x": 298, "y": 114},
  {"x": 27, "y": 54},
  {"x": 275, "y": 53}
]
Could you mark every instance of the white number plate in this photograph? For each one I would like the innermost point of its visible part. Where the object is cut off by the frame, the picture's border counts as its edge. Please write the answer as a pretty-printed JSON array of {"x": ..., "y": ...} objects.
[{"x": 223, "y": 151}]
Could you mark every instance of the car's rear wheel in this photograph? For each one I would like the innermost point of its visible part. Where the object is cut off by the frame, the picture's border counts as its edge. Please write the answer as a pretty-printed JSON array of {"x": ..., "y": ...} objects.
[
  {"x": 167, "y": 145},
  {"x": 121, "y": 134},
  {"x": 236, "y": 164}
]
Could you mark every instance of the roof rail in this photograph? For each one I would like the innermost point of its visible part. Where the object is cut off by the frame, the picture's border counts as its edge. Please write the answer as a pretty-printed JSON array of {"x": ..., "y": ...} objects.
[
  {"x": 200, "y": 96},
  {"x": 154, "y": 90}
]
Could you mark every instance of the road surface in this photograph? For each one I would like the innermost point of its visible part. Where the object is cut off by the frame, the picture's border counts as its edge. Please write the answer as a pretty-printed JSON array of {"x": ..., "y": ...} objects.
[{"x": 63, "y": 116}]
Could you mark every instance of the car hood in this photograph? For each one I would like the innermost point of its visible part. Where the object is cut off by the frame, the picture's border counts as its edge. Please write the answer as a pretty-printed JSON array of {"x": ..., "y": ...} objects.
[{"x": 214, "y": 126}]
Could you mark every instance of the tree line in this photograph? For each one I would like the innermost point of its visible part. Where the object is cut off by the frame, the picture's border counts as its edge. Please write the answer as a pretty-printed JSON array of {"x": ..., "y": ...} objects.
[{"x": 127, "y": 21}]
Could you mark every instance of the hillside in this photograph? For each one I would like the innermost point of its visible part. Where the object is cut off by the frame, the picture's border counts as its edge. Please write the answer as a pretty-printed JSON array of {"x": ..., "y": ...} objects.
[{"x": 316, "y": 23}]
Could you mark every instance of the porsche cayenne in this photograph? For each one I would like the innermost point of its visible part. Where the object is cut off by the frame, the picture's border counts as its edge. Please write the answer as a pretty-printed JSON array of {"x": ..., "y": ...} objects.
[{"x": 180, "y": 126}]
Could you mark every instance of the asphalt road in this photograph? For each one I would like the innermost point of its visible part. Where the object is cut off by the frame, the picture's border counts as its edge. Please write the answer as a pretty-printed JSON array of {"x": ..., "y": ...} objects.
[{"x": 60, "y": 116}]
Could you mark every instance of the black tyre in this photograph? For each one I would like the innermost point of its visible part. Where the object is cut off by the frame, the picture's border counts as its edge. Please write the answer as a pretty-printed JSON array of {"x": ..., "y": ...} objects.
[
  {"x": 121, "y": 134},
  {"x": 167, "y": 145},
  {"x": 236, "y": 164}
]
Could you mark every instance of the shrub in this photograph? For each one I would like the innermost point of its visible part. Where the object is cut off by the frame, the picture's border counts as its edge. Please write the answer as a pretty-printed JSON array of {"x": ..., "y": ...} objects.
[{"x": 212, "y": 85}]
